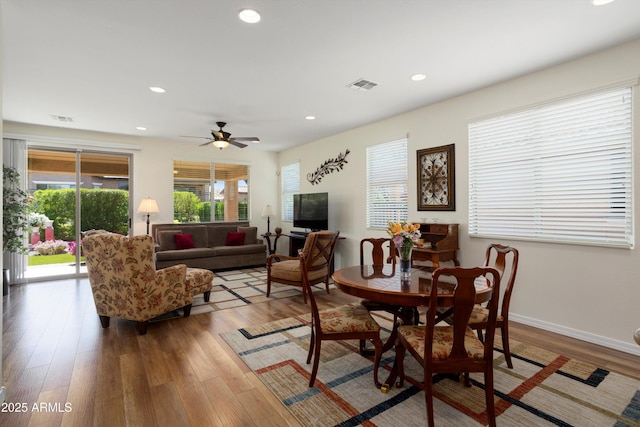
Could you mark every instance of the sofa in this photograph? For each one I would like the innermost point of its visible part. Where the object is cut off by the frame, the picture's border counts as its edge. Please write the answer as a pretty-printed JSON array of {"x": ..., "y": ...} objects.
[{"x": 214, "y": 246}]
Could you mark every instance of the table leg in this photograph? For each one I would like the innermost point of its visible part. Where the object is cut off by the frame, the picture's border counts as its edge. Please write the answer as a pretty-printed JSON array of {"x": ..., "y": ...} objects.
[{"x": 409, "y": 316}]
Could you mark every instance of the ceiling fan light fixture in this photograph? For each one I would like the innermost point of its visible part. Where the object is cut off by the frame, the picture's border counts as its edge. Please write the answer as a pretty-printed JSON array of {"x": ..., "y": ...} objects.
[
  {"x": 249, "y": 16},
  {"x": 220, "y": 144}
]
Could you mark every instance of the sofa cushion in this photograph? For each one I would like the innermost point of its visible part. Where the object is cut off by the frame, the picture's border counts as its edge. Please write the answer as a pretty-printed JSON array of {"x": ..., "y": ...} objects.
[
  {"x": 217, "y": 234},
  {"x": 166, "y": 239},
  {"x": 184, "y": 241},
  {"x": 240, "y": 250},
  {"x": 235, "y": 238},
  {"x": 199, "y": 232},
  {"x": 185, "y": 254},
  {"x": 250, "y": 234}
]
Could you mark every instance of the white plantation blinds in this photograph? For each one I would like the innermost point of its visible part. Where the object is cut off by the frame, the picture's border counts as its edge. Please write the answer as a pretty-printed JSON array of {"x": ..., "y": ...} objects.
[
  {"x": 387, "y": 183},
  {"x": 556, "y": 173},
  {"x": 290, "y": 176}
]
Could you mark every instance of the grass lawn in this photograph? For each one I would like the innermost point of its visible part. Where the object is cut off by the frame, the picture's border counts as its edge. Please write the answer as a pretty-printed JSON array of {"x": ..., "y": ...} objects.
[{"x": 52, "y": 259}]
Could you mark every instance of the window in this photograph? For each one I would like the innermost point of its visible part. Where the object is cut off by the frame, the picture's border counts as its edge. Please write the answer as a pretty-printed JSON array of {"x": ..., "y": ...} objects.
[
  {"x": 387, "y": 183},
  {"x": 199, "y": 198},
  {"x": 290, "y": 177},
  {"x": 557, "y": 173}
]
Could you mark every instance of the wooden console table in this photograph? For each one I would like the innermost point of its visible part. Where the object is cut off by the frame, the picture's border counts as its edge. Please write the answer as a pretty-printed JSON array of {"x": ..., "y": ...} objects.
[{"x": 440, "y": 244}]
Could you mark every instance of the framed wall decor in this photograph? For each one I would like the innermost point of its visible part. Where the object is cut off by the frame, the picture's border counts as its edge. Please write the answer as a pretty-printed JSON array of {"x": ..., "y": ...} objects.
[{"x": 436, "y": 178}]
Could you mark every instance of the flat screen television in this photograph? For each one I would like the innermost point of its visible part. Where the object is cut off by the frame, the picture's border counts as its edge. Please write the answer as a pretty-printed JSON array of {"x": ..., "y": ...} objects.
[{"x": 311, "y": 211}]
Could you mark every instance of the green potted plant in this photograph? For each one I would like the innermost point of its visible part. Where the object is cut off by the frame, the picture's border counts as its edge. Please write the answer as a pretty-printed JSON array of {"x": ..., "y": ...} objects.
[{"x": 15, "y": 216}]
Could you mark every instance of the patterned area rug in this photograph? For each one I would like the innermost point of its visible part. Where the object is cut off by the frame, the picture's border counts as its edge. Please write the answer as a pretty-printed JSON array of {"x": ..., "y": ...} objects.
[
  {"x": 236, "y": 288},
  {"x": 543, "y": 389}
]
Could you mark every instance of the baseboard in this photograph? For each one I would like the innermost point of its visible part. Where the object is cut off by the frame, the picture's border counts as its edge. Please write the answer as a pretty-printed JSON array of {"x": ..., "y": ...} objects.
[
  {"x": 580, "y": 335},
  {"x": 3, "y": 394}
]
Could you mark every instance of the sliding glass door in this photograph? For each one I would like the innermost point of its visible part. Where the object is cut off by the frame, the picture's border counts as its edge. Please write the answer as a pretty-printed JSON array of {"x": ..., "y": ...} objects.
[{"x": 72, "y": 192}]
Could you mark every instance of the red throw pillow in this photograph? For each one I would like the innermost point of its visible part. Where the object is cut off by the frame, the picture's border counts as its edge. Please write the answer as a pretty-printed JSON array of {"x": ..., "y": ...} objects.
[
  {"x": 235, "y": 238},
  {"x": 184, "y": 241}
]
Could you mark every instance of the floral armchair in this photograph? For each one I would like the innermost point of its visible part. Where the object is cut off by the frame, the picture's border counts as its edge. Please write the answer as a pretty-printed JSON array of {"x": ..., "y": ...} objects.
[{"x": 125, "y": 283}]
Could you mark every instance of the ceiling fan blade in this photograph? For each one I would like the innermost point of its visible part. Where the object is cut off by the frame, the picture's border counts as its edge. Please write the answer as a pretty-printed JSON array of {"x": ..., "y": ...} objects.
[
  {"x": 189, "y": 136},
  {"x": 209, "y": 142},
  {"x": 233, "y": 141},
  {"x": 247, "y": 138}
]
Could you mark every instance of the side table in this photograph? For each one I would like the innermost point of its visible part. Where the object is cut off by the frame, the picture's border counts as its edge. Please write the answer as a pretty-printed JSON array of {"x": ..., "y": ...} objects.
[{"x": 267, "y": 237}]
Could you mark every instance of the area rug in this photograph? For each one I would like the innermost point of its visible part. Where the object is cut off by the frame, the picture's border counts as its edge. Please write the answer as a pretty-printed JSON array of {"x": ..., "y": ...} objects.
[
  {"x": 543, "y": 388},
  {"x": 236, "y": 288}
]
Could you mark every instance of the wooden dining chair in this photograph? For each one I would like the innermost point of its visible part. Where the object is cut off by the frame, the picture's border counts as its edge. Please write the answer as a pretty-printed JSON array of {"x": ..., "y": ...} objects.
[
  {"x": 318, "y": 251},
  {"x": 382, "y": 252},
  {"x": 341, "y": 323},
  {"x": 452, "y": 348},
  {"x": 499, "y": 257}
]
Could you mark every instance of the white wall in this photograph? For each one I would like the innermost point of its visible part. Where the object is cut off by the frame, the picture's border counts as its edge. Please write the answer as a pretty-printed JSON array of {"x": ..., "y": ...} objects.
[
  {"x": 153, "y": 166},
  {"x": 587, "y": 292}
]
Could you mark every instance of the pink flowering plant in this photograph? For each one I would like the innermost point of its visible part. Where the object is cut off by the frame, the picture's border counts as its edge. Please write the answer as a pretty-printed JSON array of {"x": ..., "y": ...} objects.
[{"x": 404, "y": 235}]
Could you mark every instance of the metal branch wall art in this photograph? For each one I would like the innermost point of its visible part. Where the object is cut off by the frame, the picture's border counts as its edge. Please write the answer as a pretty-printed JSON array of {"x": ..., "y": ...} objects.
[{"x": 329, "y": 166}]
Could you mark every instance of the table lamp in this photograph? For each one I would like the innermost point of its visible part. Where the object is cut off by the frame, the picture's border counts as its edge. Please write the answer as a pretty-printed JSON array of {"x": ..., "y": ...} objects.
[
  {"x": 148, "y": 206},
  {"x": 267, "y": 212}
]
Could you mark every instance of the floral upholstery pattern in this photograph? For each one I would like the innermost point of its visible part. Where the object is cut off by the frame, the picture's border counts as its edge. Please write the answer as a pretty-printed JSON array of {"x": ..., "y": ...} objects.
[
  {"x": 347, "y": 318},
  {"x": 198, "y": 280},
  {"x": 125, "y": 282},
  {"x": 442, "y": 341},
  {"x": 480, "y": 314}
]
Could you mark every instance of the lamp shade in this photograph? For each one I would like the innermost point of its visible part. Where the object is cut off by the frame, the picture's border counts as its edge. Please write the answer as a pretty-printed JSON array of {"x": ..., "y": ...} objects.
[
  {"x": 267, "y": 211},
  {"x": 148, "y": 206}
]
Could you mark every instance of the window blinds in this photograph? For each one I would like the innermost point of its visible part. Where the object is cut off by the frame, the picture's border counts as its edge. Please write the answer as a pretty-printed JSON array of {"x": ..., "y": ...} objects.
[
  {"x": 559, "y": 173},
  {"x": 290, "y": 176},
  {"x": 387, "y": 183}
]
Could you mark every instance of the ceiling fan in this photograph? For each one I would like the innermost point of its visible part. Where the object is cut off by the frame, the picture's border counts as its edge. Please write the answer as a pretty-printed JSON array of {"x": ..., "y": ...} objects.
[{"x": 222, "y": 139}]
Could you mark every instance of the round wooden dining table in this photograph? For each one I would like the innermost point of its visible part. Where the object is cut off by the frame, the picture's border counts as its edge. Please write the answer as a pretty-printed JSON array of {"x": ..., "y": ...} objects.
[{"x": 383, "y": 283}]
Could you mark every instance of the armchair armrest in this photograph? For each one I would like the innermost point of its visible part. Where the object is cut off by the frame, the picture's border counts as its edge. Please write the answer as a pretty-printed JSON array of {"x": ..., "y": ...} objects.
[{"x": 278, "y": 258}]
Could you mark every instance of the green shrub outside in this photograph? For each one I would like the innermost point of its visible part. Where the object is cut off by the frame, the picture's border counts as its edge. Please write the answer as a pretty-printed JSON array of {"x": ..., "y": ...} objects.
[
  {"x": 101, "y": 209},
  {"x": 108, "y": 209}
]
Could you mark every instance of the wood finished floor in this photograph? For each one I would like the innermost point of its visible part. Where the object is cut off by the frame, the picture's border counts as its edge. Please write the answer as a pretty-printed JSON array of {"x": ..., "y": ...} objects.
[{"x": 181, "y": 373}]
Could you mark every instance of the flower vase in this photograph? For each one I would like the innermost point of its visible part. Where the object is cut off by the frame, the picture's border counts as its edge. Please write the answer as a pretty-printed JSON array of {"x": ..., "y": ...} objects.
[{"x": 405, "y": 262}]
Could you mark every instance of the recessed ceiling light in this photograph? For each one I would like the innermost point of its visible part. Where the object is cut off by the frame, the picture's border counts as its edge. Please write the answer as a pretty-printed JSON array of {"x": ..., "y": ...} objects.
[
  {"x": 418, "y": 77},
  {"x": 310, "y": 117},
  {"x": 156, "y": 89},
  {"x": 249, "y": 16},
  {"x": 141, "y": 128},
  {"x": 600, "y": 2}
]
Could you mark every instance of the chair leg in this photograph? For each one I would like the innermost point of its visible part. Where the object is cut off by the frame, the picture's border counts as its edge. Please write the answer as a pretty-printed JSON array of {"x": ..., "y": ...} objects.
[
  {"x": 268, "y": 281},
  {"x": 207, "y": 296},
  {"x": 304, "y": 294},
  {"x": 104, "y": 321},
  {"x": 504, "y": 331},
  {"x": 312, "y": 341},
  {"x": 377, "y": 342},
  {"x": 480, "y": 335},
  {"x": 187, "y": 310},
  {"x": 488, "y": 394},
  {"x": 142, "y": 327},
  {"x": 326, "y": 285},
  {"x": 316, "y": 361},
  {"x": 428, "y": 398}
]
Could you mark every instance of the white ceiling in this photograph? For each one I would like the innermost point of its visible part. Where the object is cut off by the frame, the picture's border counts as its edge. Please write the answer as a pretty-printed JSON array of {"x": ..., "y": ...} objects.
[{"x": 93, "y": 60}]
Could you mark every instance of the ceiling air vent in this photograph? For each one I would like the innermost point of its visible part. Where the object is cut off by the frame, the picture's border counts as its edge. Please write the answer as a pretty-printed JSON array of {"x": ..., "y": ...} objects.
[
  {"x": 362, "y": 85},
  {"x": 63, "y": 119}
]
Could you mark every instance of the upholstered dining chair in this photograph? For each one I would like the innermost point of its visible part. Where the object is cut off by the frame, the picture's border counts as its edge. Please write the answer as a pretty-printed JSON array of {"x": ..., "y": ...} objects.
[
  {"x": 125, "y": 283},
  {"x": 501, "y": 258},
  {"x": 351, "y": 321},
  {"x": 318, "y": 252},
  {"x": 452, "y": 348}
]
